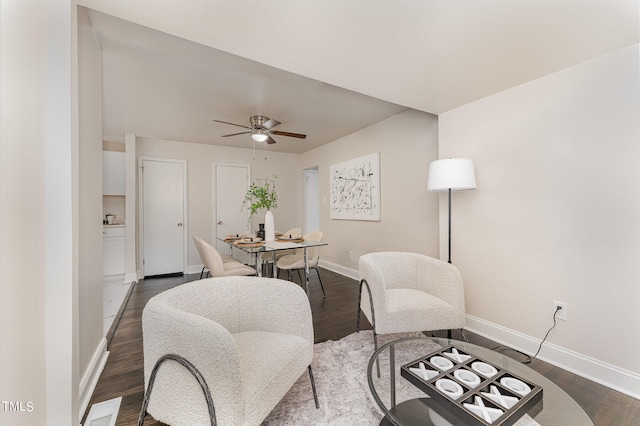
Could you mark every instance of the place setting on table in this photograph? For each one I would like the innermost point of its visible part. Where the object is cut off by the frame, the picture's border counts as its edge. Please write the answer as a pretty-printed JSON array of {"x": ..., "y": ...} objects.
[
  {"x": 250, "y": 241},
  {"x": 246, "y": 241},
  {"x": 291, "y": 238}
]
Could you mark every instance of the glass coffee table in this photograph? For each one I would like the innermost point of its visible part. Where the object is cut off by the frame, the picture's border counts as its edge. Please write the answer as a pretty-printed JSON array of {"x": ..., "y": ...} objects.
[{"x": 403, "y": 403}]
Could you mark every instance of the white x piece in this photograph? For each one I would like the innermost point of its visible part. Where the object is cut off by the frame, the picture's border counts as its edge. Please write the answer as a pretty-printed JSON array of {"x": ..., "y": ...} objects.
[
  {"x": 423, "y": 372},
  {"x": 457, "y": 356},
  {"x": 489, "y": 414},
  {"x": 504, "y": 400}
]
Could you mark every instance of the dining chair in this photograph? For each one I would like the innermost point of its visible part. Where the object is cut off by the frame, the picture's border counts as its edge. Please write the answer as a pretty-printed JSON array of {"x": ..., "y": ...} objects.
[
  {"x": 266, "y": 259},
  {"x": 295, "y": 262},
  {"x": 214, "y": 262},
  {"x": 225, "y": 257}
]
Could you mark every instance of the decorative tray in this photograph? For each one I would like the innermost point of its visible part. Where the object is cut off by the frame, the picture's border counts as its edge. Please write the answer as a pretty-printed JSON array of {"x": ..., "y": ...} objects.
[{"x": 470, "y": 390}]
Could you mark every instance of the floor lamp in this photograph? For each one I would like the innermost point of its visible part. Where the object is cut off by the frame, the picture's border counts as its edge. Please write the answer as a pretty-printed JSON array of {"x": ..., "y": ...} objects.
[{"x": 451, "y": 174}]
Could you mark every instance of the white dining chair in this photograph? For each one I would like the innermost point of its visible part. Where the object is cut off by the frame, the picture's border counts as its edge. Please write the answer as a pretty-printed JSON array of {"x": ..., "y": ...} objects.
[
  {"x": 214, "y": 262},
  {"x": 266, "y": 259},
  {"x": 295, "y": 262}
]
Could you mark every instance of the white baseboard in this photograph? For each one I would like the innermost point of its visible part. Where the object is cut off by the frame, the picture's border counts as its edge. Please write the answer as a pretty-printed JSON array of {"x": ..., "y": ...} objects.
[
  {"x": 92, "y": 374},
  {"x": 194, "y": 269},
  {"x": 130, "y": 277},
  {"x": 339, "y": 269},
  {"x": 607, "y": 375}
]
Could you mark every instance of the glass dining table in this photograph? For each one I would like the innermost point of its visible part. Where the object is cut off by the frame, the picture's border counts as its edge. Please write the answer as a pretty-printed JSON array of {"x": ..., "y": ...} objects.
[{"x": 262, "y": 250}]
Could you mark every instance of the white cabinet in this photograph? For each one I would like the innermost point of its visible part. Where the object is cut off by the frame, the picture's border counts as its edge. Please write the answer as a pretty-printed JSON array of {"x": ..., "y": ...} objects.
[
  {"x": 113, "y": 245},
  {"x": 113, "y": 173}
]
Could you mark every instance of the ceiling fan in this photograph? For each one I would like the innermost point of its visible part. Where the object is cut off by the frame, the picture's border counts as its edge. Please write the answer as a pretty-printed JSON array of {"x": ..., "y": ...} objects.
[{"x": 261, "y": 129}]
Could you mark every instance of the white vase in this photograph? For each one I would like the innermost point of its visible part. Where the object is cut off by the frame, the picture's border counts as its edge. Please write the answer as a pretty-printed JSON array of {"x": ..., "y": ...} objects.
[{"x": 269, "y": 227}]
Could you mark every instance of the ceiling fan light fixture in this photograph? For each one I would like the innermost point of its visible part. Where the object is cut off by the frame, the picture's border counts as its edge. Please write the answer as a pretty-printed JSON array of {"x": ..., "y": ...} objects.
[{"x": 258, "y": 136}]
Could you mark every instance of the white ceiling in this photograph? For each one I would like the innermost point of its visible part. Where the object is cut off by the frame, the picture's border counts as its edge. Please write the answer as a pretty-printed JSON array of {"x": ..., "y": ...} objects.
[{"x": 294, "y": 60}]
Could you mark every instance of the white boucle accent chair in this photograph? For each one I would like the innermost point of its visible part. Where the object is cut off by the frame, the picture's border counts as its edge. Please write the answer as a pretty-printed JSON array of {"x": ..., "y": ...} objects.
[
  {"x": 403, "y": 292},
  {"x": 248, "y": 339},
  {"x": 218, "y": 265}
]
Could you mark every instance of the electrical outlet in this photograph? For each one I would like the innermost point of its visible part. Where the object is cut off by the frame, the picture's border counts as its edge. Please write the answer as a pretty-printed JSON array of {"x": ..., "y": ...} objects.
[
  {"x": 350, "y": 254},
  {"x": 562, "y": 314}
]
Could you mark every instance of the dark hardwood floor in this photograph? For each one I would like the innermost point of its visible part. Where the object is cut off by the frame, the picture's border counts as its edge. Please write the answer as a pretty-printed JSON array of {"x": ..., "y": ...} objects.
[{"x": 333, "y": 318}]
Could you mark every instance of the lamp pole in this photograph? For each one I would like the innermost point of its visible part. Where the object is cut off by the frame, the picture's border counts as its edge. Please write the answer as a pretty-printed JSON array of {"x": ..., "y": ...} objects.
[{"x": 449, "y": 226}]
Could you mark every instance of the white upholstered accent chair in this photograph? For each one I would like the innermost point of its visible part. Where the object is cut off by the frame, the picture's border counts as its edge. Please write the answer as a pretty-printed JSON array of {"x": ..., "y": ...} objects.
[
  {"x": 402, "y": 292},
  {"x": 218, "y": 265},
  {"x": 295, "y": 262},
  {"x": 224, "y": 350}
]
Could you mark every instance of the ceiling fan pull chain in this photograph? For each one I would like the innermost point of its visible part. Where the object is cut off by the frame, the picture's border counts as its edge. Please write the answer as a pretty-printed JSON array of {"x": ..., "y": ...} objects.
[
  {"x": 254, "y": 150},
  {"x": 265, "y": 151}
]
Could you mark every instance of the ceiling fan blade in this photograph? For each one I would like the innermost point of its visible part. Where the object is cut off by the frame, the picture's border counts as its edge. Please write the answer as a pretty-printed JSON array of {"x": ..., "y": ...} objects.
[
  {"x": 291, "y": 135},
  {"x": 271, "y": 123},
  {"x": 270, "y": 140},
  {"x": 233, "y": 124},
  {"x": 235, "y": 134}
]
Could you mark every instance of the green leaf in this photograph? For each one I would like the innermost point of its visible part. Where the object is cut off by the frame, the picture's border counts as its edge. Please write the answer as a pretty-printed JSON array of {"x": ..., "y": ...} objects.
[{"x": 260, "y": 195}]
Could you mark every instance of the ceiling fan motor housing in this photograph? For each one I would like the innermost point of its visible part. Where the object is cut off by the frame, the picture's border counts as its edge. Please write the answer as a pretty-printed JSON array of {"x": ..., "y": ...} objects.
[{"x": 258, "y": 120}]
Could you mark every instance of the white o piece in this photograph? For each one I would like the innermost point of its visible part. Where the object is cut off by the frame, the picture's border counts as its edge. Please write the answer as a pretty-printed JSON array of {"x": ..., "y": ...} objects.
[
  {"x": 441, "y": 363},
  {"x": 515, "y": 385},
  {"x": 449, "y": 388},
  {"x": 467, "y": 377},
  {"x": 485, "y": 369}
]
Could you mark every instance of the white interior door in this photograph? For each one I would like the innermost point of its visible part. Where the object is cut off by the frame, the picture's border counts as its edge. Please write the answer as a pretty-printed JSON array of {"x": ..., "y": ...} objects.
[
  {"x": 231, "y": 183},
  {"x": 164, "y": 228},
  {"x": 312, "y": 201}
]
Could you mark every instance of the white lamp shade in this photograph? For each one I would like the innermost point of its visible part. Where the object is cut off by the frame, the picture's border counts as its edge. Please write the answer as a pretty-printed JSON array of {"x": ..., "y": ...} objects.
[
  {"x": 456, "y": 174},
  {"x": 259, "y": 137}
]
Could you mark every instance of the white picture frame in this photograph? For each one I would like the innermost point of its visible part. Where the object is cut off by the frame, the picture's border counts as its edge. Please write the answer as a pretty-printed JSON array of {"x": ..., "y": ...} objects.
[{"x": 355, "y": 189}]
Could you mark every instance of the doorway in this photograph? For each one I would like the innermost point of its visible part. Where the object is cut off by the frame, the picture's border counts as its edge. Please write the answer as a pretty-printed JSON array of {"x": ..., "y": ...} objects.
[
  {"x": 312, "y": 200},
  {"x": 163, "y": 207}
]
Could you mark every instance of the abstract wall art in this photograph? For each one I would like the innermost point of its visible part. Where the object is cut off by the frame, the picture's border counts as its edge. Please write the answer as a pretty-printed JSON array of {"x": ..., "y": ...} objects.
[{"x": 355, "y": 188}]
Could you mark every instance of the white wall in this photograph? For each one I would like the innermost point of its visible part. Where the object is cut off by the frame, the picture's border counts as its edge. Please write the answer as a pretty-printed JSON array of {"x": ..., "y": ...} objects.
[
  {"x": 38, "y": 250},
  {"x": 91, "y": 342},
  {"x": 407, "y": 143},
  {"x": 556, "y": 212},
  {"x": 90, "y": 192},
  {"x": 22, "y": 201},
  {"x": 200, "y": 159}
]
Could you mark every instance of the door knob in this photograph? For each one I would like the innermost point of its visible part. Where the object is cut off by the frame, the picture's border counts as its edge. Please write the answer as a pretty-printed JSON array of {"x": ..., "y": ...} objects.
[
  {"x": 219, "y": 222},
  {"x": 180, "y": 224}
]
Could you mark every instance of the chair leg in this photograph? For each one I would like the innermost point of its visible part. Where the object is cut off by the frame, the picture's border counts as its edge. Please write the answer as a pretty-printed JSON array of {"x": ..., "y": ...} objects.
[
  {"x": 324, "y": 295},
  {"x": 193, "y": 370},
  {"x": 373, "y": 319},
  {"x": 202, "y": 272},
  {"x": 449, "y": 334},
  {"x": 313, "y": 387}
]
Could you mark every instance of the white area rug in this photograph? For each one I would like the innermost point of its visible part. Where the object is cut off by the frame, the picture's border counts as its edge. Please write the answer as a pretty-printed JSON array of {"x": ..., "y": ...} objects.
[{"x": 340, "y": 373}]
